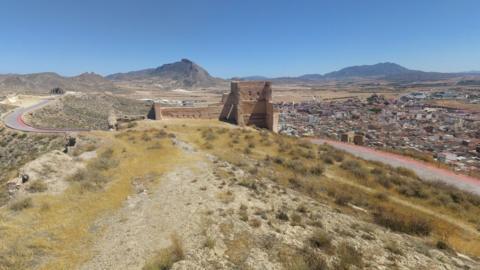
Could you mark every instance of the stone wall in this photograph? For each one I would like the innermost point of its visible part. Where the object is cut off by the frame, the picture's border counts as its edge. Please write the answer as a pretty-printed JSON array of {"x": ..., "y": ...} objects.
[
  {"x": 210, "y": 112},
  {"x": 248, "y": 103}
]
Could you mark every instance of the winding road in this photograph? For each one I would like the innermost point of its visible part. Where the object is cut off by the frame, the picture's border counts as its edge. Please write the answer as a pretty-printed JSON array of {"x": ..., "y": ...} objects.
[
  {"x": 423, "y": 170},
  {"x": 14, "y": 120}
]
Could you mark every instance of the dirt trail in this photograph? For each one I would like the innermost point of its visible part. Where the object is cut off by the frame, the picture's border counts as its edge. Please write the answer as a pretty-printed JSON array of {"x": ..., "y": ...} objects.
[{"x": 145, "y": 223}]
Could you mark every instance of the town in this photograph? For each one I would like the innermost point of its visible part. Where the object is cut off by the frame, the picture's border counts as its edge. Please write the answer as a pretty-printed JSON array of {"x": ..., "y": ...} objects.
[{"x": 413, "y": 124}]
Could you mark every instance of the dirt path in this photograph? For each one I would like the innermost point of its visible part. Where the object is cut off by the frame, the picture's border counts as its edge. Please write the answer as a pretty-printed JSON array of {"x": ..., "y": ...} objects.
[
  {"x": 147, "y": 220},
  {"x": 424, "y": 170}
]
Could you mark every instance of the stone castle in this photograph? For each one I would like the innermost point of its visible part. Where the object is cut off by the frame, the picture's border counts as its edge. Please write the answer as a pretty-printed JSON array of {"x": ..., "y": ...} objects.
[{"x": 247, "y": 104}]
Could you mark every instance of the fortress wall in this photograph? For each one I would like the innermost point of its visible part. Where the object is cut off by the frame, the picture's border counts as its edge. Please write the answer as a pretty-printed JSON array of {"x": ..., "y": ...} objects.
[
  {"x": 210, "y": 112},
  {"x": 248, "y": 103}
]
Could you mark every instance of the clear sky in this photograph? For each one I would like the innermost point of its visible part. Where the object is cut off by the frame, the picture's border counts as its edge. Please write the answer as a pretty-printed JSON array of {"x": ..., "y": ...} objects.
[{"x": 237, "y": 37}]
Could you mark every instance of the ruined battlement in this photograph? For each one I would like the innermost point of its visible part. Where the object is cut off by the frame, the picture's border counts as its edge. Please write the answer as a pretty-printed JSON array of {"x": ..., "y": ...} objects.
[{"x": 248, "y": 103}]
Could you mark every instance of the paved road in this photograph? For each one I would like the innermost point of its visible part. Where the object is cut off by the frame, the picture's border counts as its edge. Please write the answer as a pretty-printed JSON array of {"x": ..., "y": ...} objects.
[
  {"x": 424, "y": 170},
  {"x": 14, "y": 120}
]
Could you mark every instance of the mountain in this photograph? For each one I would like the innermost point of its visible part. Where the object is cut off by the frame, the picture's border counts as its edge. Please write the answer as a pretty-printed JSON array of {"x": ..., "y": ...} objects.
[
  {"x": 377, "y": 70},
  {"x": 182, "y": 74},
  {"x": 42, "y": 83},
  {"x": 384, "y": 71}
]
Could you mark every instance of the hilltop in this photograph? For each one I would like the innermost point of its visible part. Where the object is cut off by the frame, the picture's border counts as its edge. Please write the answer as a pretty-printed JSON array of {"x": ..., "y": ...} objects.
[
  {"x": 184, "y": 194},
  {"x": 181, "y": 74}
]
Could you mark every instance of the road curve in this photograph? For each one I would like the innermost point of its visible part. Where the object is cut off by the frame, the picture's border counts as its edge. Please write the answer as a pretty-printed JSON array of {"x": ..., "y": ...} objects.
[
  {"x": 424, "y": 170},
  {"x": 14, "y": 120}
]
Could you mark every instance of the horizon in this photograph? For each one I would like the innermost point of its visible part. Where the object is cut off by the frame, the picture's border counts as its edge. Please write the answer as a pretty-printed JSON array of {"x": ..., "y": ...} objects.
[{"x": 271, "y": 38}]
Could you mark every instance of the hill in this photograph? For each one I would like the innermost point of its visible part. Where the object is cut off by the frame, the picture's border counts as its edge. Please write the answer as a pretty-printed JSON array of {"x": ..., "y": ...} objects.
[
  {"x": 382, "y": 71},
  {"x": 181, "y": 74},
  {"x": 86, "y": 111},
  {"x": 42, "y": 83},
  {"x": 377, "y": 70},
  {"x": 197, "y": 194}
]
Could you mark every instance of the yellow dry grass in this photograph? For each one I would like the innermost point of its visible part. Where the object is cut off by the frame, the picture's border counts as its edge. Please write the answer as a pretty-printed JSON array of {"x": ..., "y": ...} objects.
[{"x": 61, "y": 225}]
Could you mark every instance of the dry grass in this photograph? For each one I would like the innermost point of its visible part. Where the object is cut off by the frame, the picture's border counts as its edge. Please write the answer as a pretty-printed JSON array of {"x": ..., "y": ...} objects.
[
  {"x": 324, "y": 173},
  {"x": 22, "y": 204},
  {"x": 226, "y": 197},
  {"x": 165, "y": 258},
  {"x": 64, "y": 232},
  {"x": 37, "y": 186},
  {"x": 348, "y": 256}
]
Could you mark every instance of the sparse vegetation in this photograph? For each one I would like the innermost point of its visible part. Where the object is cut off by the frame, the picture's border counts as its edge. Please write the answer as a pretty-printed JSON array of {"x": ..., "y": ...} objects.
[
  {"x": 22, "y": 204},
  {"x": 320, "y": 239},
  {"x": 165, "y": 258},
  {"x": 37, "y": 186},
  {"x": 88, "y": 111},
  {"x": 402, "y": 223},
  {"x": 348, "y": 256}
]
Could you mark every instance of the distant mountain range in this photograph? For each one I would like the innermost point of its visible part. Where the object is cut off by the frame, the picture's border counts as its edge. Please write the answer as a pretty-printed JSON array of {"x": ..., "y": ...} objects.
[
  {"x": 188, "y": 75},
  {"x": 383, "y": 71},
  {"x": 43, "y": 82}
]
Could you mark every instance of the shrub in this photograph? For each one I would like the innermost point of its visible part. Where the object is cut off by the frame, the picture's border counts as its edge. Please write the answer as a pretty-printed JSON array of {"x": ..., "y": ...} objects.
[
  {"x": 279, "y": 160},
  {"x": 355, "y": 168},
  {"x": 349, "y": 256},
  {"x": 38, "y": 186},
  {"x": 442, "y": 245},
  {"x": 167, "y": 257},
  {"x": 255, "y": 222},
  {"x": 384, "y": 181},
  {"x": 342, "y": 198},
  {"x": 320, "y": 239},
  {"x": 413, "y": 190},
  {"x": 327, "y": 160},
  {"x": 402, "y": 223},
  {"x": 406, "y": 172},
  {"x": 209, "y": 243},
  {"x": 282, "y": 216},
  {"x": 296, "y": 166},
  {"x": 296, "y": 220},
  {"x": 21, "y": 204},
  {"x": 317, "y": 169},
  {"x": 312, "y": 260},
  {"x": 209, "y": 135},
  {"x": 393, "y": 247}
]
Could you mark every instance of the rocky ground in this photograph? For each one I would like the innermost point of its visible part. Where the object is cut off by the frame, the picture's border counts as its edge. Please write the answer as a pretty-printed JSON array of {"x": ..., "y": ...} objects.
[
  {"x": 157, "y": 198},
  {"x": 16, "y": 149}
]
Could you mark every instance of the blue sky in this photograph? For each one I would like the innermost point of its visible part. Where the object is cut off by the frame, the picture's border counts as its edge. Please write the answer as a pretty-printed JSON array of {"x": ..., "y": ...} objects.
[{"x": 237, "y": 38}]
